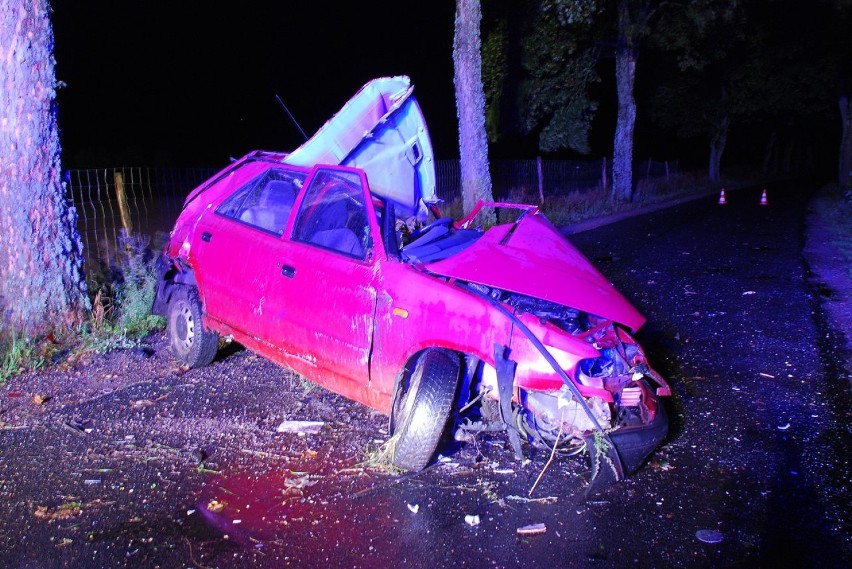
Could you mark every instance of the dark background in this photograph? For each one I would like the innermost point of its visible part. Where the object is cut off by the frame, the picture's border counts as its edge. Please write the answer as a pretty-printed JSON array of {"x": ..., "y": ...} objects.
[
  {"x": 191, "y": 83},
  {"x": 156, "y": 83}
]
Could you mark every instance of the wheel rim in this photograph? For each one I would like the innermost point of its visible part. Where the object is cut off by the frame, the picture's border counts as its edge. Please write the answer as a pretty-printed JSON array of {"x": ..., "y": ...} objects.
[{"x": 184, "y": 328}]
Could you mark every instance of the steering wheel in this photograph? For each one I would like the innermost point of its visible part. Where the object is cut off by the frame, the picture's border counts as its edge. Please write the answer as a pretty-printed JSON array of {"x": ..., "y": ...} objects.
[{"x": 421, "y": 231}]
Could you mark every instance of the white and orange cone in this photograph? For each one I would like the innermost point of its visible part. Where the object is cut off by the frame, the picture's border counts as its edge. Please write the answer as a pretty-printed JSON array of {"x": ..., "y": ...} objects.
[
  {"x": 722, "y": 200},
  {"x": 763, "y": 200}
]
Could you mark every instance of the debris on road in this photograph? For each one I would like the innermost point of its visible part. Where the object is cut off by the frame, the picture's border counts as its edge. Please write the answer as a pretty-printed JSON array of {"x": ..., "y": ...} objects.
[
  {"x": 471, "y": 520},
  {"x": 709, "y": 535},
  {"x": 525, "y": 500},
  {"x": 300, "y": 427},
  {"x": 63, "y": 512},
  {"x": 532, "y": 529},
  {"x": 413, "y": 508}
]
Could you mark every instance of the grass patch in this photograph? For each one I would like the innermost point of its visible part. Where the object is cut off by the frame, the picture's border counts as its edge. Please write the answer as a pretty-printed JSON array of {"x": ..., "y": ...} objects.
[
  {"x": 121, "y": 309},
  {"x": 18, "y": 355},
  {"x": 120, "y": 316},
  {"x": 381, "y": 457},
  {"x": 576, "y": 206}
]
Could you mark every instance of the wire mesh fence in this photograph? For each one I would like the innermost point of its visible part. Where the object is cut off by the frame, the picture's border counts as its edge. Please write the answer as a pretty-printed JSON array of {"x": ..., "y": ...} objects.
[
  {"x": 145, "y": 200},
  {"x": 148, "y": 200}
]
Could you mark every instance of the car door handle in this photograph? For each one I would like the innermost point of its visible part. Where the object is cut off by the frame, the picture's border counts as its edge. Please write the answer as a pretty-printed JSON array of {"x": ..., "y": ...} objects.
[
  {"x": 206, "y": 236},
  {"x": 288, "y": 271}
]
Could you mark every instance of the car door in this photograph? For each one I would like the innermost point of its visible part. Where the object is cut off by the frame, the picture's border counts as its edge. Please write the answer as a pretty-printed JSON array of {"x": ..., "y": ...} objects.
[
  {"x": 234, "y": 241},
  {"x": 327, "y": 275}
]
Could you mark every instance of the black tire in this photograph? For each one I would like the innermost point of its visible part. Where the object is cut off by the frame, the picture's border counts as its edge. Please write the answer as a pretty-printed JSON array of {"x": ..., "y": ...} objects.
[
  {"x": 422, "y": 407},
  {"x": 190, "y": 342}
]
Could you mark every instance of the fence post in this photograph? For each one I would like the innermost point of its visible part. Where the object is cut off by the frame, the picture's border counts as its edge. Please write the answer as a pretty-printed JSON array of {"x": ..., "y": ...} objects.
[
  {"x": 604, "y": 181},
  {"x": 667, "y": 169},
  {"x": 540, "y": 179},
  {"x": 121, "y": 197}
]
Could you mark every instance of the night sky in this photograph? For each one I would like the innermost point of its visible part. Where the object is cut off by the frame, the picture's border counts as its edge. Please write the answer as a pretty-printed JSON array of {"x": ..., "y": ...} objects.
[
  {"x": 178, "y": 83},
  {"x": 157, "y": 83}
]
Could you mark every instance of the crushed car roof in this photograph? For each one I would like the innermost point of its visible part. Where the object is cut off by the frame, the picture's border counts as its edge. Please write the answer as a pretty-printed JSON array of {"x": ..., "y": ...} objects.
[{"x": 380, "y": 130}]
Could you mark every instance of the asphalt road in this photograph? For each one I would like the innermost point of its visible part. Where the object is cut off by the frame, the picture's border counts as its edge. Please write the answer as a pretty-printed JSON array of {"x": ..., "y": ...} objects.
[
  {"x": 762, "y": 449},
  {"x": 758, "y": 454}
]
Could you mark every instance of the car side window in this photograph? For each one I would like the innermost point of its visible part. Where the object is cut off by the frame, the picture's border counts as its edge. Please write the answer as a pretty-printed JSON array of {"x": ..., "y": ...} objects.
[
  {"x": 333, "y": 215},
  {"x": 266, "y": 201}
]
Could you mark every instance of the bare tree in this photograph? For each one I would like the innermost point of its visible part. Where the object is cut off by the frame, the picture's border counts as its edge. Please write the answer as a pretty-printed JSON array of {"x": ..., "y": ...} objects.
[
  {"x": 470, "y": 103},
  {"x": 40, "y": 250}
]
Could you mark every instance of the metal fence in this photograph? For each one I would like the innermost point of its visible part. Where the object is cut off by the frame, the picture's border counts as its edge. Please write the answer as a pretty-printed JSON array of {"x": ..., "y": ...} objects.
[{"x": 148, "y": 200}]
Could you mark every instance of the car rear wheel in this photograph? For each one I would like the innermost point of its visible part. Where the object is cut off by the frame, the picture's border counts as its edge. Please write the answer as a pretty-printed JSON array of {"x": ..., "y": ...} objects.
[
  {"x": 190, "y": 342},
  {"x": 424, "y": 400}
]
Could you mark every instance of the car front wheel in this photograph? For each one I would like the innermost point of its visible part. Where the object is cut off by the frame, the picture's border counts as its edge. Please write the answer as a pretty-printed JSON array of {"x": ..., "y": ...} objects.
[
  {"x": 422, "y": 407},
  {"x": 190, "y": 342}
]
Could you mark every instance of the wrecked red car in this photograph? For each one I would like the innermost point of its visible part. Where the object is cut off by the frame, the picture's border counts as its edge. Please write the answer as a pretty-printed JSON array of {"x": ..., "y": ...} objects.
[{"x": 310, "y": 260}]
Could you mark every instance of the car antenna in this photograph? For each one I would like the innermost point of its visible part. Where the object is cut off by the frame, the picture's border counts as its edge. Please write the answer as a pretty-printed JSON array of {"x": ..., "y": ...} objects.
[{"x": 289, "y": 114}]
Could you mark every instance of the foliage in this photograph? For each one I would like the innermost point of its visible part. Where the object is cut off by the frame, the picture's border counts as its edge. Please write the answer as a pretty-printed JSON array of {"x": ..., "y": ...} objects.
[
  {"x": 577, "y": 206},
  {"x": 558, "y": 74},
  {"x": 119, "y": 318},
  {"x": 121, "y": 312},
  {"x": 138, "y": 286},
  {"x": 494, "y": 74},
  {"x": 536, "y": 73},
  {"x": 380, "y": 457},
  {"x": 18, "y": 355}
]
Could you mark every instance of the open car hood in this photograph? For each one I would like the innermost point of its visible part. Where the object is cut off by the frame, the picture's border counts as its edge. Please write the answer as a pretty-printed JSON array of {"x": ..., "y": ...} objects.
[
  {"x": 531, "y": 257},
  {"x": 380, "y": 130}
]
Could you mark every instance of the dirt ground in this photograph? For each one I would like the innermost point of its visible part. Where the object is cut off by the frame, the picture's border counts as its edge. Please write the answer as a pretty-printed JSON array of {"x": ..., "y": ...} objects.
[{"x": 125, "y": 459}]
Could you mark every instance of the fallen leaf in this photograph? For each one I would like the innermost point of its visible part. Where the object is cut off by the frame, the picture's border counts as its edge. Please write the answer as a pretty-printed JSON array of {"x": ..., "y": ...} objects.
[
  {"x": 40, "y": 399},
  {"x": 216, "y": 506},
  {"x": 61, "y": 513}
]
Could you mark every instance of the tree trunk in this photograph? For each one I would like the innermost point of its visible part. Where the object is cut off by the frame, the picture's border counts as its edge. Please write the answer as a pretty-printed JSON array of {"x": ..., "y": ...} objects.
[
  {"x": 844, "y": 166},
  {"x": 717, "y": 148},
  {"x": 40, "y": 250},
  {"x": 625, "y": 73},
  {"x": 470, "y": 102}
]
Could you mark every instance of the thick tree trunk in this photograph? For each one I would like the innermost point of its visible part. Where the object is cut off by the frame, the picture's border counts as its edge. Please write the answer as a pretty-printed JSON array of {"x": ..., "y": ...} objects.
[
  {"x": 470, "y": 102},
  {"x": 844, "y": 166},
  {"x": 40, "y": 250},
  {"x": 625, "y": 73},
  {"x": 717, "y": 148}
]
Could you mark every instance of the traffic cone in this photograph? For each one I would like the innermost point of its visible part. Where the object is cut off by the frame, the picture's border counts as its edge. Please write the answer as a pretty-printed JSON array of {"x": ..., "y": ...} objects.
[
  {"x": 722, "y": 200},
  {"x": 763, "y": 200}
]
